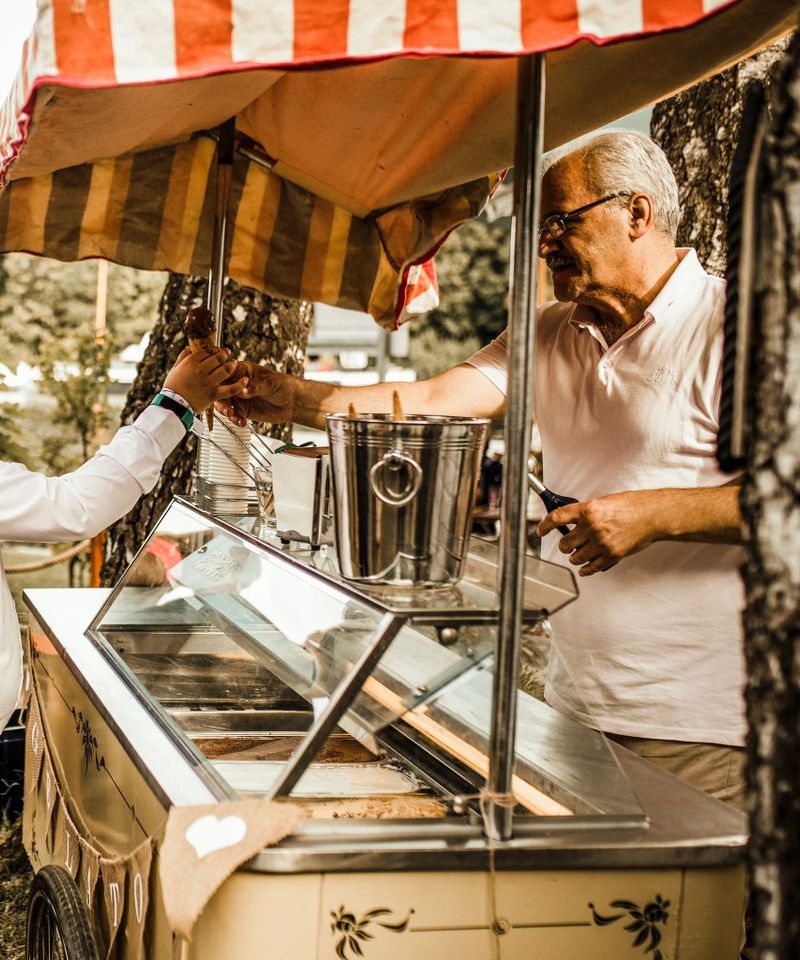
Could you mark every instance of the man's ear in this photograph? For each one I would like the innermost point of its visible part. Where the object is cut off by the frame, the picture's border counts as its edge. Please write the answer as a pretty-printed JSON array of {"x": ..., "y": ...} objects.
[{"x": 641, "y": 215}]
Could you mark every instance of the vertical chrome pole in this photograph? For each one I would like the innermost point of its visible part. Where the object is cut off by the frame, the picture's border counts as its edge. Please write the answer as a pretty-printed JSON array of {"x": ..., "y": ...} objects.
[
  {"x": 219, "y": 249},
  {"x": 527, "y": 166}
]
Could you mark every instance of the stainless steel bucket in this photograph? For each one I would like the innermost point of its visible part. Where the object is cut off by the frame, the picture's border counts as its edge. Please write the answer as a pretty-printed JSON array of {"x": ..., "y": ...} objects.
[{"x": 403, "y": 495}]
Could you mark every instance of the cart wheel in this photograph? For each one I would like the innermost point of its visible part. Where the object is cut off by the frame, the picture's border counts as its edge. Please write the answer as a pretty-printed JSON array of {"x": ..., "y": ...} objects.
[{"x": 58, "y": 925}]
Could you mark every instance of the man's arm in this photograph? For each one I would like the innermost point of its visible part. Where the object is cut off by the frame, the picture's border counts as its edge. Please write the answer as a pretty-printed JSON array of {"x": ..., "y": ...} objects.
[
  {"x": 609, "y": 528},
  {"x": 278, "y": 398}
]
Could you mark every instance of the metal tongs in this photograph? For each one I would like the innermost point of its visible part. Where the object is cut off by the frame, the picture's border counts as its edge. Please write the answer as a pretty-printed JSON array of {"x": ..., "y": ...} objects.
[{"x": 551, "y": 500}]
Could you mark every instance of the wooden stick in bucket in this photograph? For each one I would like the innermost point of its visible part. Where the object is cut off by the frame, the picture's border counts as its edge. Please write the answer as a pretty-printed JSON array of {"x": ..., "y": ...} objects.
[{"x": 397, "y": 407}]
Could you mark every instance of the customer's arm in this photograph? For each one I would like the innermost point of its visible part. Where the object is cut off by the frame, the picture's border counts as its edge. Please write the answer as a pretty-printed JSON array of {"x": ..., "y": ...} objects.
[
  {"x": 84, "y": 502},
  {"x": 280, "y": 398},
  {"x": 609, "y": 528}
]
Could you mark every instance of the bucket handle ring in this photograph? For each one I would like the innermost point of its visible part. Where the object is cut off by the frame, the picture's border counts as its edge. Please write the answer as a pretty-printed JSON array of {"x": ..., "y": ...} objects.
[{"x": 394, "y": 460}]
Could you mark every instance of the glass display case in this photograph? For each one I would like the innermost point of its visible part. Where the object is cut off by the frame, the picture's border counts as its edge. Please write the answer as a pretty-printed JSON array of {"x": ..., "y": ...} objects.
[{"x": 277, "y": 678}]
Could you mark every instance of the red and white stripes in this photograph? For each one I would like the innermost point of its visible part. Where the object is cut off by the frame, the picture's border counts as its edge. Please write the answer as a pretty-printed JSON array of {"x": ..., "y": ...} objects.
[{"x": 96, "y": 43}]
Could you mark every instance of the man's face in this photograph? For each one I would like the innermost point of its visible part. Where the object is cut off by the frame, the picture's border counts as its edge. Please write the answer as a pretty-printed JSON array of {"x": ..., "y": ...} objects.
[{"x": 593, "y": 254}]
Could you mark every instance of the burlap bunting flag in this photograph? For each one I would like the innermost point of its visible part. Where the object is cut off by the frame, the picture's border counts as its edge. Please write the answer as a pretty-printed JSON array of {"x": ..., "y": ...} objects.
[
  {"x": 112, "y": 876},
  {"x": 138, "y": 898},
  {"x": 24, "y": 695},
  {"x": 71, "y": 845},
  {"x": 90, "y": 873},
  {"x": 203, "y": 845},
  {"x": 35, "y": 740},
  {"x": 50, "y": 800}
]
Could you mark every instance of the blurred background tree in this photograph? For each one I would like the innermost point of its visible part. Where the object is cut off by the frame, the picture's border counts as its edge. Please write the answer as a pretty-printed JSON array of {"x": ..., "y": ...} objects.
[
  {"x": 472, "y": 268},
  {"x": 45, "y": 302},
  {"x": 47, "y": 315},
  {"x": 78, "y": 387}
]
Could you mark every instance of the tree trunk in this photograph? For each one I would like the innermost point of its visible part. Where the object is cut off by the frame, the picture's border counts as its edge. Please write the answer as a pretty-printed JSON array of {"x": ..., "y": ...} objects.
[
  {"x": 771, "y": 510},
  {"x": 255, "y": 326},
  {"x": 698, "y": 130}
]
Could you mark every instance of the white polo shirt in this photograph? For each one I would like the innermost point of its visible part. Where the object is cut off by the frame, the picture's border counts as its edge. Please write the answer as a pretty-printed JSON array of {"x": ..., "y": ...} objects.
[{"x": 654, "y": 645}]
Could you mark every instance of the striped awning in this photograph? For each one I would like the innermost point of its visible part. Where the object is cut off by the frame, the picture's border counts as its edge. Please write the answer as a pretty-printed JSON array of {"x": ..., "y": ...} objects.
[{"x": 385, "y": 124}]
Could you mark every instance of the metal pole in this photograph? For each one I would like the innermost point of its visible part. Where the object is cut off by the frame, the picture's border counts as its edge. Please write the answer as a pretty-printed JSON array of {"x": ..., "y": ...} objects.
[
  {"x": 219, "y": 250},
  {"x": 527, "y": 166},
  {"x": 383, "y": 354},
  {"x": 226, "y": 139},
  {"x": 100, "y": 331}
]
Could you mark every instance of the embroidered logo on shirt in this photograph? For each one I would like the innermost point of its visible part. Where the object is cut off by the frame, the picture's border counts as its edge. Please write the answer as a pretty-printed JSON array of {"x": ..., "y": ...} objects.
[{"x": 664, "y": 374}]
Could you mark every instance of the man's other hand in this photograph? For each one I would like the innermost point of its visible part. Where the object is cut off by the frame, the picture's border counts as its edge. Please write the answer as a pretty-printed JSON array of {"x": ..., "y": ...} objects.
[
  {"x": 609, "y": 528},
  {"x": 605, "y": 530}
]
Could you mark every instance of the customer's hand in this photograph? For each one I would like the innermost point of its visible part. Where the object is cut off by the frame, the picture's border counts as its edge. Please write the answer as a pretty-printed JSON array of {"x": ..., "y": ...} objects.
[
  {"x": 204, "y": 377},
  {"x": 606, "y": 529},
  {"x": 268, "y": 397}
]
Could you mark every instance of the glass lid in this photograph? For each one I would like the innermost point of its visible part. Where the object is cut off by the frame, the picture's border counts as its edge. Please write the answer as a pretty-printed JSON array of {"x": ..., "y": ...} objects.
[
  {"x": 212, "y": 626},
  {"x": 198, "y": 588}
]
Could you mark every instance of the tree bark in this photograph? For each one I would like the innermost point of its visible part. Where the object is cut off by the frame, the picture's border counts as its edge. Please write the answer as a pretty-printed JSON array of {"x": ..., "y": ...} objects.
[
  {"x": 254, "y": 326},
  {"x": 698, "y": 130},
  {"x": 771, "y": 512}
]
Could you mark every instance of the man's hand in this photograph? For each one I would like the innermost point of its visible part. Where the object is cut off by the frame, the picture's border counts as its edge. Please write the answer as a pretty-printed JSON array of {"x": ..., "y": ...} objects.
[
  {"x": 268, "y": 397},
  {"x": 605, "y": 530},
  {"x": 609, "y": 528}
]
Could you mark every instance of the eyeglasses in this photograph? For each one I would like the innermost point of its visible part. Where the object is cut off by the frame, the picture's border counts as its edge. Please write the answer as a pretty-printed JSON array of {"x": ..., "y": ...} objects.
[{"x": 556, "y": 224}]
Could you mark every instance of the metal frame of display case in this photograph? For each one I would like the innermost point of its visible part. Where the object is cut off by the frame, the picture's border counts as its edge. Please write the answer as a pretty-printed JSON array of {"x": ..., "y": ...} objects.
[{"x": 391, "y": 614}]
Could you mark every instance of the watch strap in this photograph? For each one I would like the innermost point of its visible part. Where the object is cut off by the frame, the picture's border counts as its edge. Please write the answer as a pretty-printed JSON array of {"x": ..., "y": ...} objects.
[{"x": 184, "y": 414}]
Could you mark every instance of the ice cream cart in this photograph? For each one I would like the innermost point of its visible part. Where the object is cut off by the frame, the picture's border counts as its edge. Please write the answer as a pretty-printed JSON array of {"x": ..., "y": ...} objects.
[{"x": 256, "y": 671}]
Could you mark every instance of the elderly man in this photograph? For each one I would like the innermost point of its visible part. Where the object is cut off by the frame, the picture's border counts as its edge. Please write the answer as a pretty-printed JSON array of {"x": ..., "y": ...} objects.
[{"x": 627, "y": 376}]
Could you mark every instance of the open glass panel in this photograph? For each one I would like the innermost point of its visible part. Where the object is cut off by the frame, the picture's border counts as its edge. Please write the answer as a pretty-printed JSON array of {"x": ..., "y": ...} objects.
[
  {"x": 282, "y": 679},
  {"x": 563, "y": 768},
  {"x": 207, "y": 621}
]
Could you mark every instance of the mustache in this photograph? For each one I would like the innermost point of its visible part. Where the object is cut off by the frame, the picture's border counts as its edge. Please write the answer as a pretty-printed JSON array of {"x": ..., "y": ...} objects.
[{"x": 554, "y": 260}]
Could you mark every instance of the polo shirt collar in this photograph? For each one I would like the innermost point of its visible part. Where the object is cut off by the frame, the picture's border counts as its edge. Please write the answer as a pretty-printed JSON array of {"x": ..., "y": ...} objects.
[{"x": 685, "y": 279}]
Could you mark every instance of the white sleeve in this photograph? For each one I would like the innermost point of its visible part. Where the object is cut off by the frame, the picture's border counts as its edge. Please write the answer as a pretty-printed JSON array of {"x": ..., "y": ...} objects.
[
  {"x": 492, "y": 362},
  {"x": 82, "y": 503}
]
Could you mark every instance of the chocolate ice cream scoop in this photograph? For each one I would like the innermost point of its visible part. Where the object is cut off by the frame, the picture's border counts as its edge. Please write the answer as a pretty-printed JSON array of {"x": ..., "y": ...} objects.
[{"x": 200, "y": 329}]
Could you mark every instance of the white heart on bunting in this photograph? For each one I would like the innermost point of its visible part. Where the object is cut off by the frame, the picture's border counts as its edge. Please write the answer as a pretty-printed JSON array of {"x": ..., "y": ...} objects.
[
  {"x": 203, "y": 845},
  {"x": 208, "y": 834}
]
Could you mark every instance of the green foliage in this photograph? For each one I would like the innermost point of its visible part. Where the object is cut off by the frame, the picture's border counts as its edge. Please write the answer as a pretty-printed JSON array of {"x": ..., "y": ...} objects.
[
  {"x": 472, "y": 268},
  {"x": 45, "y": 302},
  {"x": 10, "y": 449},
  {"x": 47, "y": 319},
  {"x": 78, "y": 389}
]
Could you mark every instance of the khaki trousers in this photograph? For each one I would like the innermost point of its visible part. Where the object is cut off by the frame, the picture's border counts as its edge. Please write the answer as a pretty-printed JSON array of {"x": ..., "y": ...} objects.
[{"x": 717, "y": 770}]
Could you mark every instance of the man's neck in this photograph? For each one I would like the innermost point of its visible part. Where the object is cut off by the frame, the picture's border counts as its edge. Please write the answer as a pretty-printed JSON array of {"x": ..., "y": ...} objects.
[{"x": 621, "y": 310}]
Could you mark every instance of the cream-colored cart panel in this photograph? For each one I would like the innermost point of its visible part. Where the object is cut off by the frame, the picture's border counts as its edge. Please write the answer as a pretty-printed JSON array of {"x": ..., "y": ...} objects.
[
  {"x": 557, "y": 915},
  {"x": 257, "y": 917}
]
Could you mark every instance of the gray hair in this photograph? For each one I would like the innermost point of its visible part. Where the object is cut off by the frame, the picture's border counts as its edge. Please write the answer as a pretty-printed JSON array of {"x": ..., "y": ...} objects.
[{"x": 626, "y": 160}]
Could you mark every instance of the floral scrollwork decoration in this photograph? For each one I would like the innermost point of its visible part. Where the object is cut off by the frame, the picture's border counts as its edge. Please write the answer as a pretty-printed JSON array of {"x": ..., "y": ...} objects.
[
  {"x": 89, "y": 742},
  {"x": 355, "y": 933},
  {"x": 644, "y": 925}
]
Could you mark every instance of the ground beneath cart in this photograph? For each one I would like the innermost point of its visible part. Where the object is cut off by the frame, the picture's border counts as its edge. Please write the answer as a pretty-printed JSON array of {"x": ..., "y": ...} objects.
[{"x": 15, "y": 879}]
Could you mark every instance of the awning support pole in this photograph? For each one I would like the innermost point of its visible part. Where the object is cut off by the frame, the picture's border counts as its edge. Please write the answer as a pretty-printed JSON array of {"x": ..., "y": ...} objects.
[
  {"x": 226, "y": 138},
  {"x": 219, "y": 250},
  {"x": 527, "y": 167}
]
